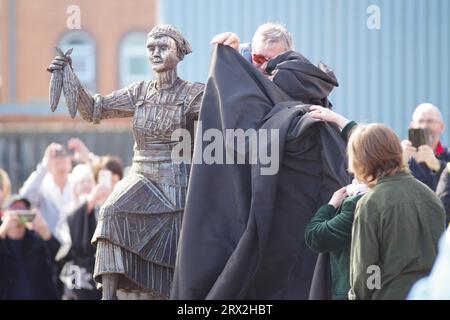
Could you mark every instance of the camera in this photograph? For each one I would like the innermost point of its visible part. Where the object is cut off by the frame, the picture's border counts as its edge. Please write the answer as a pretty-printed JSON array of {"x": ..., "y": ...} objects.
[
  {"x": 64, "y": 152},
  {"x": 24, "y": 215}
]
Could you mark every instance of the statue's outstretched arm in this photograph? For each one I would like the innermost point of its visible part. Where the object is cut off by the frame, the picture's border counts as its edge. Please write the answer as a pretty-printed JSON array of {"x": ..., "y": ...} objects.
[
  {"x": 118, "y": 104},
  {"x": 93, "y": 108},
  {"x": 85, "y": 102}
]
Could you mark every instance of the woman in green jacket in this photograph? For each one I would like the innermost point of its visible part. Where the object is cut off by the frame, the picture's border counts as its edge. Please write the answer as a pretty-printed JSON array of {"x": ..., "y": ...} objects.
[
  {"x": 330, "y": 230},
  {"x": 397, "y": 223}
]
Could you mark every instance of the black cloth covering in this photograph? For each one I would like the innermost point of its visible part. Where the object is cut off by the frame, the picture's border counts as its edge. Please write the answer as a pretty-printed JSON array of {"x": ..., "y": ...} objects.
[
  {"x": 242, "y": 235},
  {"x": 301, "y": 80},
  {"x": 321, "y": 280}
]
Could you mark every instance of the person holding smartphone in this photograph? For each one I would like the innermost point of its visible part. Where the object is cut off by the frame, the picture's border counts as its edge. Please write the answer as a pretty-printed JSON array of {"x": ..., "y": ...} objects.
[
  {"x": 50, "y": 186},
  {"x": 27, "y": 251},
  {"x": 427, "y": 161}
]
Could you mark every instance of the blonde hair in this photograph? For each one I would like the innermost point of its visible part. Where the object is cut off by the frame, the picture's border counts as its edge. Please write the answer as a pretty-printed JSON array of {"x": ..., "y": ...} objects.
[
  {"x": 5, "y": 185},
  {"x": 374, "y": 152}
]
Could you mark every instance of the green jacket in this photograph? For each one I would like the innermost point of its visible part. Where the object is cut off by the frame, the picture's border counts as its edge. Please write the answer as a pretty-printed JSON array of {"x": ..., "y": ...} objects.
[
  {"x": 396, "y": 229},
  {"x": 347, "y": 130},
  {"x": 331, "y": 232}
]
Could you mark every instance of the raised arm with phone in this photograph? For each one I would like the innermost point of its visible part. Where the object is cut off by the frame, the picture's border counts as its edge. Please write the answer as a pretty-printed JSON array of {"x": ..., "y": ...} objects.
[
  {"x": 426, "y": 156},
  {"x": 418, "y": 137}
]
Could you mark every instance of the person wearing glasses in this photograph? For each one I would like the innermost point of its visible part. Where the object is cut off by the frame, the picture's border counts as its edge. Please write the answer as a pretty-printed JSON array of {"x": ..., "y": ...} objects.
[
  {"x": 269, "y": 41},
  {"x": 427, "y": 162},
  {"x": 272, "y": 52}
]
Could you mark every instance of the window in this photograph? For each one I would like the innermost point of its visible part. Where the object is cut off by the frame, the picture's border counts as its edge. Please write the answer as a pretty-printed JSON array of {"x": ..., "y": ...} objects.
[
  {"x": 134, "y": 65},
  {"x": 83, "y": 56}
]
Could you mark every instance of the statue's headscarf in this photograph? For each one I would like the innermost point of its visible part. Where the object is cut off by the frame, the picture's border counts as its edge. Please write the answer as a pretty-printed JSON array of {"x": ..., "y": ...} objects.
[{"x": 183, "y": 46}]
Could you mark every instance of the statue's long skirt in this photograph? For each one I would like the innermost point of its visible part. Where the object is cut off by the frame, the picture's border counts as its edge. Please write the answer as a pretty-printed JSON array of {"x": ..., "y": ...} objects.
[{"x": 139, "y": 225}]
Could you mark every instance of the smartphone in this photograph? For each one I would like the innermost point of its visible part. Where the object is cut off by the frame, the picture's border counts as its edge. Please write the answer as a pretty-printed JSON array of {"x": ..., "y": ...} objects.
[
  {"x": 65, "y": 152},
  {"x": 105, "y": 178},
  {"x": 417, "y": 137},
  {"x": 24, "y": 215}
]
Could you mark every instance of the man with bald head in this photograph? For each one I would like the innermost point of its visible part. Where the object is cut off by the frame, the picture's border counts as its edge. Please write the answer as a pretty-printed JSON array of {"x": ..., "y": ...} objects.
[{"x": 427, "y": 161}]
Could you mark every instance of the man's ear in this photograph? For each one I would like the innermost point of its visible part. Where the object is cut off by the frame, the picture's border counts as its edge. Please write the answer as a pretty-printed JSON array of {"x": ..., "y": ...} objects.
[{"x": 441, "y": 127}]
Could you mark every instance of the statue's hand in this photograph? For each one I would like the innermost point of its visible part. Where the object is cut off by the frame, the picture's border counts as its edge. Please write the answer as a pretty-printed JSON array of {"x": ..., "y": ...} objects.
[
  {"x": 63, "y": 78},
  {"x": 60, "y": 61}
]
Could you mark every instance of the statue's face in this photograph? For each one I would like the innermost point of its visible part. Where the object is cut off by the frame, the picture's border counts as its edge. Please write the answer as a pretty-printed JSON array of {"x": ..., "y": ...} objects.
[{"x": 162, "y": 53}]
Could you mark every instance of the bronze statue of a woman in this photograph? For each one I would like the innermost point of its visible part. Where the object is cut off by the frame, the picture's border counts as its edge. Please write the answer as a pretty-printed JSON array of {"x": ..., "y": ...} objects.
[{"x": 139, "y": 225}]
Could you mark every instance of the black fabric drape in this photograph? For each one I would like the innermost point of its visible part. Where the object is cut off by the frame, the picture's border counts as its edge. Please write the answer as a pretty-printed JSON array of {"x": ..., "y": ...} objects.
[
  {"x": 321, "y": 280},
  {"x": 242, "y": 235},
  {"x": 302, "y": 80}
]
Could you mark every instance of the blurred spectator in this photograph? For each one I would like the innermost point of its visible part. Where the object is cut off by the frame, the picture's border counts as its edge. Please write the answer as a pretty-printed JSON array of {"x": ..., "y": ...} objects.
[
  {"x": 427, "y": 161},
  {"x": 27, "y": 251},
  {"x": 111, "y": 163},
  {"x": 81, "y": 153},
  {"x": 83, "y": 182},
  {"x": 49, "y": 187},
  {"x": 437, "y": 285},
  {"x": 397, "y": 223},
  {"x": 79, "y": 267},
  {"x": 5, "y": 188}
]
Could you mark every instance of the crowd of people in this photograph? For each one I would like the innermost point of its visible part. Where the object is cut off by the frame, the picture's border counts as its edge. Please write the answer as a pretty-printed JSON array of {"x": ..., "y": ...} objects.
[
  {"x": 46, "y": 229},
  {"x": 398, "y": 222},
  {"x": 382, "y": 236}
]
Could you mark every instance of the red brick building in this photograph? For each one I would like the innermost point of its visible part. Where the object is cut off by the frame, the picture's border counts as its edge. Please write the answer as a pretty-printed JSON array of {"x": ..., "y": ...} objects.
[
  {"x": 107, "y": 47},
  {"x": 108, "y": 37}
]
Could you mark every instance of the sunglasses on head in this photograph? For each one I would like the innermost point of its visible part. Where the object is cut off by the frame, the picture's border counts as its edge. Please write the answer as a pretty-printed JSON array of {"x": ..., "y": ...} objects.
[{"x": 259, "y": 58}]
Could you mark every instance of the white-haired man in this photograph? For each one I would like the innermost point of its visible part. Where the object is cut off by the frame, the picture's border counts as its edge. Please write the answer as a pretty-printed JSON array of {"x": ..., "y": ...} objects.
[
  {"x": 269, "y": 41},
  {"x": 272, "y": 52},
  {"x": 427, "y": 161}
]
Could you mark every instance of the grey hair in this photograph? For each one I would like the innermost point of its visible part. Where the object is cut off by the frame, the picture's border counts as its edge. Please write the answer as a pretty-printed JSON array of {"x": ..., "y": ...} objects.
[{"x": 273, "y": 33}]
